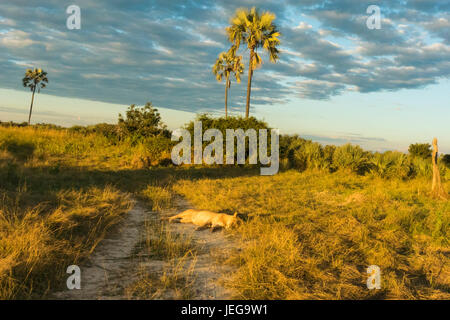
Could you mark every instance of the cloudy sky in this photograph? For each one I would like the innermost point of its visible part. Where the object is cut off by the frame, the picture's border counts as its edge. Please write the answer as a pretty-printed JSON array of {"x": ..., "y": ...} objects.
[{"x": 336, "y": 81}]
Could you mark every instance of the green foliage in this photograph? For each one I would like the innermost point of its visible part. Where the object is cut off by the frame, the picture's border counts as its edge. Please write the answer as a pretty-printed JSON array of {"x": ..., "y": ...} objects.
[
  {"x": 304, "y": 154},
  {"x": 10, "y": 124},
  {"x": 446, "y": 160},
  {"x": 141, "y": 122},
  {"x": 328, "y": 153},
  {"x": 257, "y": 30},
  {"x": 420, "y": 150},
  {"x": 422, "y": 167},
  {"x": 35, "y": 79},
  {"x": 107, "y": 130},
  {"x": 153, "y": 151},
  {"x": 392, "y": 164},
  {"x": 308, "y": 155},
  {"x": 20, "y": 149},
  {"x": 351, "y": 157},
  {"x": 47, "y": 126},
  {"x": 223, "y": 123},
  {"x": 233, "y": 122}
]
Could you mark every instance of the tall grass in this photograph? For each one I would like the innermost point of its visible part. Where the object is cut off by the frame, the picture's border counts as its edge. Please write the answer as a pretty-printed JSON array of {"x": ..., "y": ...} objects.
[
  {"x": 178, "y": 255},
  {"x": 306, "y": 235},
  {"x": 312, "y": 235},
  {"x": 38, "y": 244}
]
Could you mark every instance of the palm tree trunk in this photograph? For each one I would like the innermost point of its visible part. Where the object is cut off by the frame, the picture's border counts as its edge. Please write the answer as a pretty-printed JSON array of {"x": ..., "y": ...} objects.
[
  {"x": 249, "y": 83},
  {"x": 227, "y": 84},
  {"x": 31, "y": 107}
]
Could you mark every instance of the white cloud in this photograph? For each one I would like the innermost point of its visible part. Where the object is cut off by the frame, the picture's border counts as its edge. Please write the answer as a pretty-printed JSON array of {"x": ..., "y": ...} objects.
[{"x": 15, "y": 39}]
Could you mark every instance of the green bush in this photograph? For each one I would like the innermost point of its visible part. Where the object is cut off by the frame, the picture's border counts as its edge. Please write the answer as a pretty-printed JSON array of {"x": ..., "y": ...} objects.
[
  {"x": 304, "y": 154},
  {"x": 422, "y": 167},
  {"x": 446, "y": 160},
  {"x": 351, "y": 157},
  {"x": 223, "y": 123},
  {"x": 392, "y": 164},
  {"x": 308, "y": 155},
  {"x": 152, "y": 151},
  {"x": 141, "y": 122},
  {"x": 13, "y": 124},
  {"x": 107, "y": 130},
  {"x": 230, "y": 122},
  {"x": 328, "y": 153},
  {"x": 420, "y": 150}
]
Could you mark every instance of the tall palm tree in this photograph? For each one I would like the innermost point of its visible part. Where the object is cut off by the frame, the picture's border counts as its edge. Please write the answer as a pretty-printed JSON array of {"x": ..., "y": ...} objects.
[
  {"x": 34, "y": 79},
  {"x": 256, "y": 30},
  {"x": 226, "y": 65}
]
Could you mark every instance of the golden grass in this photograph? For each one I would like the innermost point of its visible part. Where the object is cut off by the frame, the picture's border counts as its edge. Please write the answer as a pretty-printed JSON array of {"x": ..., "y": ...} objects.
[
  {"x": 60, "y": 192},
  {"x": 312, "y": 235},
  {"x": 307, "y": 235},
  {"x": 38, "y": 244},
  {"x": 158, "y": 197},
  {"x": 178, "y": 255},
  {"x": 50, "y": 147}
]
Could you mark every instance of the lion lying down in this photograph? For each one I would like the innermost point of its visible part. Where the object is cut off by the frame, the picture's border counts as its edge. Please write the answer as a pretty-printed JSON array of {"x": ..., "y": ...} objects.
[{"x": 204, "y": 219}]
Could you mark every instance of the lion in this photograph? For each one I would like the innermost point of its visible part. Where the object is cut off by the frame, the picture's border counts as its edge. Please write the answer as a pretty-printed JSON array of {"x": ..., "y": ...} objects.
[{"x": 204, "y": 219}]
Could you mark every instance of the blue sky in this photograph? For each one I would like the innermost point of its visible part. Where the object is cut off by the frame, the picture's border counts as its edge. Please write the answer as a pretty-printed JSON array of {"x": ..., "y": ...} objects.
[{"x": 337, "y": 81}]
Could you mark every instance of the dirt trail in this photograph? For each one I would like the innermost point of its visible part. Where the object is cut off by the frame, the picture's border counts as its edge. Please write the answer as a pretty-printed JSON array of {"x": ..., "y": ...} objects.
[
  {"x": 114, "y": 265},
  {"x": 211, "y": 244}
]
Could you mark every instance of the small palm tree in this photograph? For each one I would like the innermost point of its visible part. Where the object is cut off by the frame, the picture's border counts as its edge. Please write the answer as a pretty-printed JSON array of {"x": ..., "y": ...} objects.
[
  {"x": 226, "y": 65},
  {"x": 256, "y": 30},
  {"x": 34, "y": 79}
]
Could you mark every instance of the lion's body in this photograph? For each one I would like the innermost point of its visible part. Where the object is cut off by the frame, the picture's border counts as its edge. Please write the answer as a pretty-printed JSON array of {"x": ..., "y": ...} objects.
[{"x": 205, "y": 218}]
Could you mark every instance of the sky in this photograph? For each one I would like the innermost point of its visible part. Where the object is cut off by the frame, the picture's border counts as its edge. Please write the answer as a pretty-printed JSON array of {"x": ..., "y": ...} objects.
[{"x": 336, "y": 81}]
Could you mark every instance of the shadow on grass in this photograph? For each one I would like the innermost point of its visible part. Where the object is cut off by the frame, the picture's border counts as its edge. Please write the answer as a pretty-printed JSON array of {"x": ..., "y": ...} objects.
[
  {"x": 21, "y": 151},
  {"x": 45, "y": 182}
]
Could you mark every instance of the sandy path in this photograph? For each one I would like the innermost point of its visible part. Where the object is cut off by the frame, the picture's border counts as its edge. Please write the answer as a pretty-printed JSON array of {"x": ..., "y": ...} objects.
[
  {"x": 114, "y": 264},
  {"x": 211, "y": 245},
  {"x": 111, "y": 266}
]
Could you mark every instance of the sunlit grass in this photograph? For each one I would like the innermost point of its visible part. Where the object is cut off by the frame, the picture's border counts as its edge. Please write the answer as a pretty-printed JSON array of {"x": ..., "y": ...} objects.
[
  {"x": 178, "y": 253},
  {"x": 307, "y": 235},
  {"x": 312, "y": 235},
  {"x": 38, "y": 244}
]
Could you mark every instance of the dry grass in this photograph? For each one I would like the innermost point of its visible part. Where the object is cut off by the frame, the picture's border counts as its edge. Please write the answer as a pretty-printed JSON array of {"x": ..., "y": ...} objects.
[
  {"x": 177, "y": 254},
  {"x": 312, "y": 235},
  {"x": 307, "y": 235},
  {"x": 158, "y": 197},
  {"x": 37, "y": 245},
  {"x": 60, "y": 192}
]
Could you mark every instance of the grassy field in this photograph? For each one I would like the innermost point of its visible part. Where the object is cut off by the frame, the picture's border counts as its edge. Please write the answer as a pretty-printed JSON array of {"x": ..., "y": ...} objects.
[
  {"x": 60, "y": 192},
  {"x": 312, "y": 235},
  {"x": 306, "y": 235}
]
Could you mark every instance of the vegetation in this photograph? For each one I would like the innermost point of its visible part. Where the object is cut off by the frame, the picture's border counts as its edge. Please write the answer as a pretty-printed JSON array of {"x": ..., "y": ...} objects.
[
  {"x": 446, "y": 160},
  {"x": 141, "y": 123},
  {"x": 226, "y": 65},
  {"x": 34, "y": 79},
  {"x": 312, "y": 235},
  {"x": 256, "y": 30},
  {"x": 420, "y": 150},
  {"x": 178, "y": 255},
  {"x": 309, "y": 232}
]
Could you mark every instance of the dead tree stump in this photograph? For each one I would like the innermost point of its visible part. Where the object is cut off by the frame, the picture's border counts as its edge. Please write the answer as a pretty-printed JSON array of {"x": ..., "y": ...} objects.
[{"x": 436, "y": 186}]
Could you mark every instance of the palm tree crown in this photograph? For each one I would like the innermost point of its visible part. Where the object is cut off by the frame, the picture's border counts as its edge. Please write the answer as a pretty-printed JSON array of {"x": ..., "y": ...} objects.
[
  {"x": 226, "y": 65},
  {"x": 256, "y": 30},
  {"x": 34, "y": 79}
]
